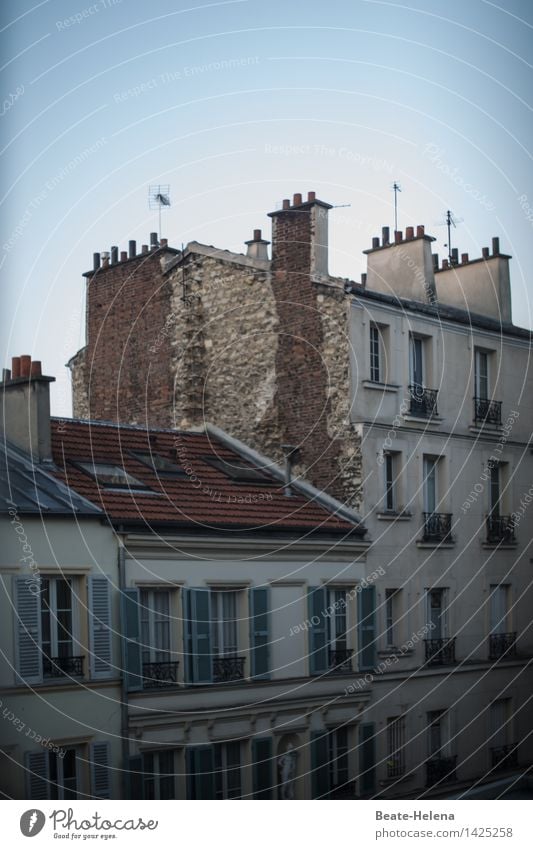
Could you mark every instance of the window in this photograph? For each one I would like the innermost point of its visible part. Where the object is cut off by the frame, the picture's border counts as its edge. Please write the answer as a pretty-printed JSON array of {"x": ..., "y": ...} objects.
[
  {"x": 329, "y": 765},
  {"x": 337, "y": 619},
  {"x": 162, "y": 466},
  {"x": 500, "y": 713},
  {"x": 224, "y": 622},
  {"x": 338, "y": 758},
  {"x": 239, "y": 471},
  {"x": 111, "y": 476},
  {"x": 395, "y": 746},
  {"x": 57, "y": 628},
  {"x": 416, "y": 361},
  {"x": 390, "y": 481},
  {"x": 155, "y": 625},
  {"x": 159, "y": 775},
  {"x": 499, "y": 608},
  {"x": 495, "y": 494},
  {"x": 228, "y": 770},
  {"x": 435, "y": 721},
  {"x": 375, "y": 354},
  {"x": 431, "y": 465},
  {"x": 437, "y": 613},
  {"x": 392, "y": 599},
  {"x": 481, "y": 374},
  {"x": 214, "y": 772}
]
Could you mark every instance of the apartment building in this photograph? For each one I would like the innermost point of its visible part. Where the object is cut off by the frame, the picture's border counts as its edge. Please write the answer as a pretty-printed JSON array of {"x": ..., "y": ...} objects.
[{"x": 408, "y": 397}]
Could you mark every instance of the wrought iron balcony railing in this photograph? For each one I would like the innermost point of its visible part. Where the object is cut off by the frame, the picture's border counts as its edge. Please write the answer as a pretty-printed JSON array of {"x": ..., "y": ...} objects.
[
  {"x": 340, "y": 660},
  {"x": 422, "y": 401},
  {"x": 440, "y": 769},
  {"x": 55, "y": 667},
  {"x": 487, "y": 412},
  {"x": 228, "y": 668},
  {"x": 504, "y": 757},
  {"x": 500, "y": 529},
  {"x": 160, "y": 674},
  {"x": 440, "y": 652},
  {"x": 437, "y": 527},
  {"x": 395, "y": 765},
  {"x": 501, "y": 645}
]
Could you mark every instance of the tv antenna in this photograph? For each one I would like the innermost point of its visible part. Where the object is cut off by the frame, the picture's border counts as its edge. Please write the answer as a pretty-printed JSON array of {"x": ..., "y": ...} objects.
[
  {"x": 396, "y": 188},
  {"x": 450, "y": 221},
  {"x": 159, "y": 198}
]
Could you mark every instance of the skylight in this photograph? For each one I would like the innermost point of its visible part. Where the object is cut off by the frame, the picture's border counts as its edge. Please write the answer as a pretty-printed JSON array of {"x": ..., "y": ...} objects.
[
  {"x": 109, "y": 475},
  {"x": 238, "y": 472},
  {"x": 160, "y": 465}
]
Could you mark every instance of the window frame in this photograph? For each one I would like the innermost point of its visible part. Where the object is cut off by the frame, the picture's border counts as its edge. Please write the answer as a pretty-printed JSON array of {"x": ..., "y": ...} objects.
[{"x": 396, "y": 741}]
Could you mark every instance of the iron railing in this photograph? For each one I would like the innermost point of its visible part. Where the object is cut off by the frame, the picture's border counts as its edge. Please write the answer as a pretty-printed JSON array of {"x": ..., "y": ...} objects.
[
  {"x": 504, "y": 757},
  {"x": 340, "y": 660},
  {"x": 501, "y": 645},
  {"x": 487, "y": 412},
  {"x": 440, "y": 769},
  {"x": 160, "y": 674},
  {"x": 440, "y": 651},
  {"x": 500, "y": 529},
  {"x": 228, "y": 668},
  {"x": 422, "y": 401},
  {"x": 55, "y": 667},
  {"x": 437, "y": 527}
]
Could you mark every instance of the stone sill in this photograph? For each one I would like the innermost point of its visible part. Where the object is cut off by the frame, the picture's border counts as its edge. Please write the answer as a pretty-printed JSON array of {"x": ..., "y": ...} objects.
[
  {"x": 394, "y": 652},
  {"x": 491, "y": 546},
  {"x": 394, "y": 517},
  {"x": 490, "y": 431},
  {"x": 428, "y": 544},
  {"x": 429, "y": 420},
  {"x": 381, "y": 387}
]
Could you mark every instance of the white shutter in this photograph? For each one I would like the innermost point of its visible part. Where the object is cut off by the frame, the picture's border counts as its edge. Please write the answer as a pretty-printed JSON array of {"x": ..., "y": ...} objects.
[
  {"x": 28, "y": 631},
  {"x": 100, "y": 771},
  {"x": 37, "y": 775},
  {"x": 100, "y": 627}
]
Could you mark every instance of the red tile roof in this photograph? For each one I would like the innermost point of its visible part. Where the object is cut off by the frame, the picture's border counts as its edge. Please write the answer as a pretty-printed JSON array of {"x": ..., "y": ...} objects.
[{"x": 203, "y": 499}]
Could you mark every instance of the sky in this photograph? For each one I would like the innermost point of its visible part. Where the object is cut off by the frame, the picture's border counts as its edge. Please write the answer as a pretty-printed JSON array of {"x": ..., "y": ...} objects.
[{"x": 236, "y": 105}]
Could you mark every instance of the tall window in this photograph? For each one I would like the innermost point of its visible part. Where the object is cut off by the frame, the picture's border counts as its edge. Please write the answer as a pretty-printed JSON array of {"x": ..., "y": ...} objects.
[
  {"x": 56, "y": 624},
  {"x": 338, "y": 758},
  {"x": 481, "y": 367},
  {"x": 435, "y": 720},
  {"x": 224, "y": 622},
  {"x": 375, "y": 354},
  {"x": 390, "y": 481},
  {"x": 416, "y": 361},
  {"x": 155, "y": 625},
  {"x": 395, "y": 746},
  {"x": 431, "y": 465},
  {"x": 495, "y": 493},
  {"x": 228, "y": 770},
  {"x": 159, "y": 775},
  {"x": 392, "y": 598},
  {"x": 499, "y": 608},
  {"x": 500, "y": 712},
  {"x": 437, "y": 613},
  {"x": 337, "y": 619},
  {"x": 63, "y": 774}
]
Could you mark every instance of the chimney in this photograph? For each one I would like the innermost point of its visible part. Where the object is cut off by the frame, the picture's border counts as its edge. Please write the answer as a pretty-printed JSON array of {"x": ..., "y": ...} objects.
[
  {"x": 375, "y": 242},
  {"x": 455, "y": 256},
  {"x": 464, "y": 258},
  {"x": 257, "y": 247},
  {"x": 114, "y": 255},
  {"x": 420, "y": 231},
  {"x": 397, "y": 237},
  {"x": 132, "y": 248},
  {"x": 409, "y": 233},
  {"x": 123, "y": 256},
  {"x": 96, "y": 262},
  {"x": 385, "y": 236},
  {"x": 495, "y": 246},
  {"x": 485, "y": 253},
  {"x": 300, "y": 236},
  {"x": 154, "y": 244},
  {"x": 25, "y": 414},
  {"x": 292, "y": 456}
]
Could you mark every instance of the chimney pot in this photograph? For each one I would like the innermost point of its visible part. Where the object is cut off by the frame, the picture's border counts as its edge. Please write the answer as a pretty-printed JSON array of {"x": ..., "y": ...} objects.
[
  {"x": 455, "y": 256},
  {"x": 145, "y": 249},
  {"x": 363, "y": 279},
  {"x": 297, "y": 200},
  {"x": 15, "y": 367},
  {"x": 114, "y": 255},
  {"x": 286, "y": 203},
  {"x": 420, "y": 231},
  {"x": 375, "y": 242},
  {"x": 132, "y": 248},
  {"x": 445, "y": 263},
  {"x": 25, "y": 365},
  {"x": 163, "y": 243},
  {"x": 495, "y": 246},
  {"x": 96, "y": 262},
  {"x": 123, "y": 256},
  {"x": 464, "y": 258},
  {"x": 311, "y": 196},
  {"x": 385, "y": 236},
  {"x": 153, "y": 241},
  {"x": 485, "y": 253},
  {"x": 257, "y": 235},
  {"x": 397, "y": 237},
  {"x": 6, "y": 375},
  {"x": 409, "y": 232},
  {"x": 435, "y": 262},
  {"x": 35, "y": 369}
]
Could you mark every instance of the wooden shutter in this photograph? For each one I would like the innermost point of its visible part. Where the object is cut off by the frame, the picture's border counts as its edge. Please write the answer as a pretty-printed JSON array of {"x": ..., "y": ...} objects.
[
  {"x": 367, "y": 627},
  {"x": 131, "y": 628},
  {"x": 318, "y": 650},
  {"x": 198, "y": 636},
  {"x": 259, "y": 632},
  {"x": 200, "y": 769},
  {"x": 37, "y": 775},
  {"x": 100, "y": 630},
  {"x": 100, "y": 771},
  {"x": 319, "y": 765},
  {"x": 367, "y": 758},
  {"x": 28, "y": 632},
  {"x": 263, "y": 767}
]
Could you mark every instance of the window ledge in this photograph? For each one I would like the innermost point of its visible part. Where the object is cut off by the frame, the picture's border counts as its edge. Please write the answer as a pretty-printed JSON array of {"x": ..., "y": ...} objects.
[
  {"x": 488, "y": 429},
  {"x": 381, "y": 387},
  {"x": 508, "y": 546},
  {"x": 436, "y": 544},
  {"x": 391, "y": 516},
  {"x": 394, "y": 651},
  {"x": 423, "y": 419}
]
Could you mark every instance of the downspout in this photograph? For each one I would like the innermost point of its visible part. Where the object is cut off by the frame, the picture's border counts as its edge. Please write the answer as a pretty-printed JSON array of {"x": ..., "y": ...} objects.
[{"x": 124, "y": 711}]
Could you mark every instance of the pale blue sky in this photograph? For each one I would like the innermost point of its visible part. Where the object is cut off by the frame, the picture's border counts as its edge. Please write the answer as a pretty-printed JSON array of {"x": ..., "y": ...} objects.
[{"x": 237, "y": 105}]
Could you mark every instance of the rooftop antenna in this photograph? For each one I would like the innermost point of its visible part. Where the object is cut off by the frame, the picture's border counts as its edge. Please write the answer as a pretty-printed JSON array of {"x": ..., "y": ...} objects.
[
  {"x": 396, "y": 188},
  {"x": 159, "y": 198},
  {"x": 450, "y": 221}
]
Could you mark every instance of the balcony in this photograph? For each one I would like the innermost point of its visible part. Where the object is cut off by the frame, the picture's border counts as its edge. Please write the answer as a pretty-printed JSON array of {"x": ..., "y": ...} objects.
[
  {"x": 437, "y": 527},
  {"x": 70, "y": 666},
  {"x": 422, "y": 401},
  {"x": 340, "y": 660},
  {"x": 228, "y": 668},
  {"x": 439, "y": 770},
  {"x": 487, "y": 412},
  {"x": 502, "y": 645},
  {"x": 504, "y": 757},
  {"x": 440, "y": 652},
  {"x": 500, "y": 529},
  {"x": 160, "y": 674}
]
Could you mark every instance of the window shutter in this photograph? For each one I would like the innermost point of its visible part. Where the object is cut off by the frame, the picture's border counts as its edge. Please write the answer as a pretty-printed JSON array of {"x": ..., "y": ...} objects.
[
  {"x": 367, "y": 627},
  {"x": 319, "y": 765},
  {"x": 198, "y": 636},
  {"x": 131, "y": 628},
  {"x": 37, "y": 775},
  {"x": 200, "y": 772},
  {"x": 259, "y": 637},
  {"x": 318, "y": 659},
  {"x": 100, "y": 771},
  {"x": 100, "y": 627},
  {"x": 367, "y": 758},
  {"x": 263, "y": 764},
  {"x": 28, "y": 625},
  {"x": 135, "y": 777}
]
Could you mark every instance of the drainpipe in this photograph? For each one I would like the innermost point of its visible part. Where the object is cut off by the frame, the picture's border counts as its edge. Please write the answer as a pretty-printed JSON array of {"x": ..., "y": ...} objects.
[{"x": 124, "y": 712}]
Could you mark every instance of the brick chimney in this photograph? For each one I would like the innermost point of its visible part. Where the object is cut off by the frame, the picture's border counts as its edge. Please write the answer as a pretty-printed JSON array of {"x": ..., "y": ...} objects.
[
  {"x": 300, "y": 235},
  {"x": 25, "y": 414}
]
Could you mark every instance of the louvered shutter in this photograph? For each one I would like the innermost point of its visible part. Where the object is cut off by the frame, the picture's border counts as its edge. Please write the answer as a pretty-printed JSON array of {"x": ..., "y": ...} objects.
[
  {"x": 131, "y": 628},
  {"x": 319, "y": 765},
  {"x": 318, "y": 652},
  {"x": 263, "y": 768},
  {"x": 259, "y": 638},
  {"x": 198, "y": 636},
  {"x": 28, "y": 631},
  {"x": 367, "y": 627},
  {"x": 100, "y": 771},
  {"x": 100, "y": 629},
  {"x": 37, "y": 775}
]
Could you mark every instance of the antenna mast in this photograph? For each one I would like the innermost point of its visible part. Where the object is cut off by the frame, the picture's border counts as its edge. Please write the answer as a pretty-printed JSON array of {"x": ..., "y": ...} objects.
[
  {"x": 159, "y": 198},
  {"x": 396, "y": 188}
]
